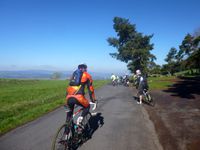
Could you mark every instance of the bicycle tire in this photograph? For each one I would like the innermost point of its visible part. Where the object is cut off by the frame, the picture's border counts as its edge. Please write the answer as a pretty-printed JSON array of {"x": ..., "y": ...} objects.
[
  {"x": 65, "y": 143},
  {"x": 150, "y": 100},
  {"x": 86, "y": 124},
  {"x": 86, "y": 120}
]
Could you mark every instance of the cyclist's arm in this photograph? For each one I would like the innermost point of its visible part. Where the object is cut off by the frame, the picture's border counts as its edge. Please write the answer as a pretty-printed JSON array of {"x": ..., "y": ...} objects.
[{"x": 91, "y": 89}]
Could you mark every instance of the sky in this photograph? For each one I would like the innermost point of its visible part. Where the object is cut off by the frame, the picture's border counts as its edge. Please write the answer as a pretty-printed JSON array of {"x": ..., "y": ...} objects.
[{"x": 60, "y": 34}]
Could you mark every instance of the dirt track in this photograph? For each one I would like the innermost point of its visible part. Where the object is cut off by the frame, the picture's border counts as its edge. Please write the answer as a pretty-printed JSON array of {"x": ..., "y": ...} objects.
[
  {"x": 124, "y": 125},
  {"x": 176, "y": 115}
]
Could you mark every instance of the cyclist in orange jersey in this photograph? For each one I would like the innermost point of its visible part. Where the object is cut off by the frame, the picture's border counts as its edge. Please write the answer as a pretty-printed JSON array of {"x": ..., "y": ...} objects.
[{"x": 76, "y": 91}]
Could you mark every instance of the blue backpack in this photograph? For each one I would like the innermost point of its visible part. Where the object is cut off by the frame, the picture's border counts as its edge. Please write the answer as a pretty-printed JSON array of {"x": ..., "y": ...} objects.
[{"x": 76, "y": 78}]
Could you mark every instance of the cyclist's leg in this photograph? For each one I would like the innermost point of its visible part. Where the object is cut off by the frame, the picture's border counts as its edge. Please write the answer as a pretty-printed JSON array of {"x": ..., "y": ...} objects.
[
  {"x": 70, "y": 102},
  {"x": 85, "y": 111},
  {"x": 140, "y": 93},
  {"x": 85, "y": 104}
]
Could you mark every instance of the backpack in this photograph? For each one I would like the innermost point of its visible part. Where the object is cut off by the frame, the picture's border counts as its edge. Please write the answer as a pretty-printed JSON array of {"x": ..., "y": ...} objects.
[
  {"x": 145, "y": 83},
  {"x": 76, "y": 78}
]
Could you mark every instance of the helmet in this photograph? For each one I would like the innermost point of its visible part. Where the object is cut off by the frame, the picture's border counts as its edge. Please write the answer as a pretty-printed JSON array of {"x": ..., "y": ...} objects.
[
  {"x": 82, "y": 66},
  {"x": 138, "y": 72}
]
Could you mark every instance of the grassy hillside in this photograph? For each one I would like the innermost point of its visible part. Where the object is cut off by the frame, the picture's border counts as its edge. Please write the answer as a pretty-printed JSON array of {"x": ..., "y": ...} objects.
[
  {"x": 24, "y": 100},
  {"x": 162, "y": 82},
  {"x": 188, "y": 73}
]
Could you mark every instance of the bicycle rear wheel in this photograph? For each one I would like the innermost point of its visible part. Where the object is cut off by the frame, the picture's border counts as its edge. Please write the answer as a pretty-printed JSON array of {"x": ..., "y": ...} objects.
[
  {"x": 87, "y": 129},
  {"x": 86, "y": 120},
  {"x": 62, "y": 141},
  {"x": 149, "y": 99}
]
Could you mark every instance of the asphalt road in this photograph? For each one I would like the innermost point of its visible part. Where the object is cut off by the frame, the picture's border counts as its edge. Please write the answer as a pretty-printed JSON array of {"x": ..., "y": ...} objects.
[{"x": 122, "y": 125}]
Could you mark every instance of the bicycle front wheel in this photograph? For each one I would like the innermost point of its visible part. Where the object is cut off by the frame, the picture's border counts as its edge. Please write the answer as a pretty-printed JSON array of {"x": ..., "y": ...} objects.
[
  {"x": 62, "y": 141},
  {"x": 150, "y": 100}
]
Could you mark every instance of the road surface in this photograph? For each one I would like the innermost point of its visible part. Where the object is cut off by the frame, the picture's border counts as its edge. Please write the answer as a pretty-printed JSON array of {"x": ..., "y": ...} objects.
[{"x": 122, "y": 125}]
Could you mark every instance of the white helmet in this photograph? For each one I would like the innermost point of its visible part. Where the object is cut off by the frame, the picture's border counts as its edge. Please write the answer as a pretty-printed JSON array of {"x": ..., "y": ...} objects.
[{"x": 138, "y": 72}]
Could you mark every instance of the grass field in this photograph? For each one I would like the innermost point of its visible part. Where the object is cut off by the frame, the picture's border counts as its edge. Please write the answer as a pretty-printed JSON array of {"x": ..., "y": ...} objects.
[
  {"x": 161, "y": 82},
  {"x": 188, "y": 73},
  {"x": 25, "y": 100}
]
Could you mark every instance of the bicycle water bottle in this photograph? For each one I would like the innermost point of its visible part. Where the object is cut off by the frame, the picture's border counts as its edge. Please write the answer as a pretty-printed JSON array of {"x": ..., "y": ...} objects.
[{"x": 75, "y": 127}]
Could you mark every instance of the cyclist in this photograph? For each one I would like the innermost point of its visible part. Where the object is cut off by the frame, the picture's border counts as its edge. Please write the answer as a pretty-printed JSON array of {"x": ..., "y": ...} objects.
[
  {"x": 117, "y": 80},
  {"x": 113, "y": 78},
  {"x": 76, "y": 92},
  {"x": 141, "y": 84},
  {"x": 126, "y": 80}
]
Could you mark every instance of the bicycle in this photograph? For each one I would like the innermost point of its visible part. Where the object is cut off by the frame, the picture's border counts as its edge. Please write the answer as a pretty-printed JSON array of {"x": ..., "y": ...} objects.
[
  {"x": 76, "y": 135},
  {"x": 148, "y": 98},
  {"x": 114, "y": 83}
]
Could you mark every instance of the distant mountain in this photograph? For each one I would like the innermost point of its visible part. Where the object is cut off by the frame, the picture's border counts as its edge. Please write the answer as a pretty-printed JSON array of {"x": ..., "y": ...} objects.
[
  {"x": 43, "y": 74},
  {"x": 27, "y": 74}
]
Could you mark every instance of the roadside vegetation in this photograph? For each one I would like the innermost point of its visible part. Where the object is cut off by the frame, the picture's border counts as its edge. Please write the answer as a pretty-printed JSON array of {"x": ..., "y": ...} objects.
[
  {"x": 25, "y": 100},
  {"x": 134, "y": 48},
  {"x": 158, "y": 82},
  {"x": 161, "y": 82}
]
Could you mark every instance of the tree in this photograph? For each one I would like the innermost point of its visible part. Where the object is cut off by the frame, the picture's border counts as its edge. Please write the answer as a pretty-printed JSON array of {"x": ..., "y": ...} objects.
[
  {"x": 154, "y": 68},
  {"x": 56, "y": 75},
  {"x": 187, "y": 57},
  {"x": 193, "y": 61},
  {"x": 171, "y": 56},
  {"x": 190, "y": 51},
  {"x": 132, "y": 47},
  {"x": 172, "y": 66},
  {"x": 186, "y": 45}
]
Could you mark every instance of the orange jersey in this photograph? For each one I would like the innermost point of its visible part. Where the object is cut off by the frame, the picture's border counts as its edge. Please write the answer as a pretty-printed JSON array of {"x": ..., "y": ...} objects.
[{"x": 78, "y": 92}]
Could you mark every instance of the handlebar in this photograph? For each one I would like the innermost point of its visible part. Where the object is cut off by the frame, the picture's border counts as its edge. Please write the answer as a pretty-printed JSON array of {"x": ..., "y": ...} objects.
[{"x": 95, "y": 105}]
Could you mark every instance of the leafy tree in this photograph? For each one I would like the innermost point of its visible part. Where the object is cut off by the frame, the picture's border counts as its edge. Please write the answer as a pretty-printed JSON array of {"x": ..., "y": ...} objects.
[
  {"x": 186, "y": 46},
  {"x": 132, "y": 46},
  {"x": 164, "y": 69},
  {"x": 172, "y": 65},
  {"x": 171, "y": 56},
  {"x": 189, "y": 50},
  {"x": 187, "y": 57},
  {"x": 154, "y": 68},
  {"x": 56, "y": 75},
  {"x": 193, "y": 61}
]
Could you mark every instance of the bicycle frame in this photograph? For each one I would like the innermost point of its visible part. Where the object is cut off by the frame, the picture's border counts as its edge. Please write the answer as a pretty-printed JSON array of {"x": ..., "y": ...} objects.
[{"x": 75, "y": 113}]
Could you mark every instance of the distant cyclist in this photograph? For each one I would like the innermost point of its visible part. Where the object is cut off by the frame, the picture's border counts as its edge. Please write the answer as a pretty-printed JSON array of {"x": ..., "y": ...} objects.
[
  {"x": 113, "y": 78},
  {"x": 126, "y": 80},
  {"x": 76, "y": 92},
  {"x": 141, "y": 84}
]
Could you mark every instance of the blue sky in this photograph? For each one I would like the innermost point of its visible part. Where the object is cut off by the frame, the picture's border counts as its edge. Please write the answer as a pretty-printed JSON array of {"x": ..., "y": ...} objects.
[{"x": 60, "y": 34}]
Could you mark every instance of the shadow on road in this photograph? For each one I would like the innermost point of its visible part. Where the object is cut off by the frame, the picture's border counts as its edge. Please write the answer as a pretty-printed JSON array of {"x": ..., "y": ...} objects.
[
  {"x": 185, "y": 88},
  {"x": 95, "y": 122}
]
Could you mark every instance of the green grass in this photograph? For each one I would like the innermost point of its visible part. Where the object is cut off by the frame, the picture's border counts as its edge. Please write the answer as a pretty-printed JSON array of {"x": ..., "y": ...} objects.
[
  {"x": 188, "y": 73},
  {"x": 25, "y": 100},
  {"x": 162, "y": 82}
]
